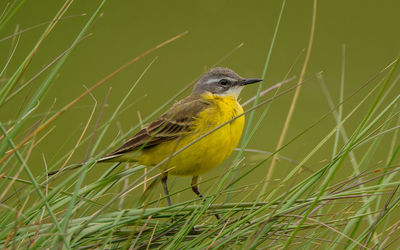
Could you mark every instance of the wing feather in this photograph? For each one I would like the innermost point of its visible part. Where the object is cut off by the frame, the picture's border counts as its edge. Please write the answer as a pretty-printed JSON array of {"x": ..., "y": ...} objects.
[{"x": 176, "y": 122}]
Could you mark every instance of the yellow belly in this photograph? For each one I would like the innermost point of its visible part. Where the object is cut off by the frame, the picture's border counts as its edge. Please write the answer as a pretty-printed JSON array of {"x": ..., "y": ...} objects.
[{"x": 208, "y": 152}]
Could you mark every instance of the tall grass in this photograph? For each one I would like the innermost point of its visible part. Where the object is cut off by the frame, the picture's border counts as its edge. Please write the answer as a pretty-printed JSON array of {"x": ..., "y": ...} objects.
[{"x": 319, "y": 210}]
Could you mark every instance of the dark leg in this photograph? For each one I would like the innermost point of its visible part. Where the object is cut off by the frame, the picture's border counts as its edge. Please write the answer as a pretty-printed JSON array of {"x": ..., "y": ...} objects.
[
  {"x": 195, "y": 188},
  {"x": 164, "y": 184}
]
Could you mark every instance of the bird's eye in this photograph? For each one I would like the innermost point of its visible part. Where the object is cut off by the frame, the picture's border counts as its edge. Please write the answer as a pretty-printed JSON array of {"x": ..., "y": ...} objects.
[{"x": 223, "y": 82}]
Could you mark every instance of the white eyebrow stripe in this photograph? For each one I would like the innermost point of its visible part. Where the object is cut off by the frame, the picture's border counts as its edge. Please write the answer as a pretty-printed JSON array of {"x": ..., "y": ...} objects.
[{"x": 216, "y": 79}]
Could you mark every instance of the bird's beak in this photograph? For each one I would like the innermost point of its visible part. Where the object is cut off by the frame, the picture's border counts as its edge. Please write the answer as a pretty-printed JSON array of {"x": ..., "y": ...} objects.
[{"x": 249, "y": 81}]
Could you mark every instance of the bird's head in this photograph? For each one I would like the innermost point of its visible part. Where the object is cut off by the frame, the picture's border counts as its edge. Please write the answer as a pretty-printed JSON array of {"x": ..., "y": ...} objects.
[{"x": 223, "y": 82}]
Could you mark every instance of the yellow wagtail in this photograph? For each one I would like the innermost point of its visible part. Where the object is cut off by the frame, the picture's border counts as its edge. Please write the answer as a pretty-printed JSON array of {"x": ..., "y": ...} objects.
[{"x": 213, "y": 102}]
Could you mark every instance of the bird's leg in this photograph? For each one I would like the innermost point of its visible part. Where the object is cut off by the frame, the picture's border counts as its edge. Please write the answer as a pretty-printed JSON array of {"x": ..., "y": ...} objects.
[
  {"x": 195, "y": 188},
  {"x": 164, "y": 184}
]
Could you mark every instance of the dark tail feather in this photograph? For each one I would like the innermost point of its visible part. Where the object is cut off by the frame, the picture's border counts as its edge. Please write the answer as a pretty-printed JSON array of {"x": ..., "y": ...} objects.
[
  {"x": 72, "y": 167},
  {"x": 78, "y": 165}
]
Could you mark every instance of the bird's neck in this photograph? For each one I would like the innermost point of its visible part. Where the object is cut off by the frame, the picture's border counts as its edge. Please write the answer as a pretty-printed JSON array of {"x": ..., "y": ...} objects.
[
  {"x": 228, "y": 96},
  {"x": 223, "y": 100}
]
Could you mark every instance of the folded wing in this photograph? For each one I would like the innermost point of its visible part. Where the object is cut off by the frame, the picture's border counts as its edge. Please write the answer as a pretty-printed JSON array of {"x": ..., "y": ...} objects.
[{"x": 176, "y": 122}]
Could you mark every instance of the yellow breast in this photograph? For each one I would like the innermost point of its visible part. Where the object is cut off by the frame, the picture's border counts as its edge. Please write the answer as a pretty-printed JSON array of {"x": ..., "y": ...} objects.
[{"x": 211, "y": 150}]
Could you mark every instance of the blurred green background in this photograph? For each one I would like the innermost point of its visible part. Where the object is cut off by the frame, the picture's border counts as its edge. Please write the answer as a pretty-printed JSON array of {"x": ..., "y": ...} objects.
[{"x": 125, "y": 29}]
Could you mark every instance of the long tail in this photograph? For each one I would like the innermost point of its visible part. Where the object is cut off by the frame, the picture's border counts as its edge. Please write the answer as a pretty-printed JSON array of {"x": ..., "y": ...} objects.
[{"x": 78, "y": 165}]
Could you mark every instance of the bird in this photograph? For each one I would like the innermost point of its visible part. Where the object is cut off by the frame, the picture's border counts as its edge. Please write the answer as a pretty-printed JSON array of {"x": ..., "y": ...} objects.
[
  {"x": 213, "y": 102},
  {"x": 195, "y": 135}
]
